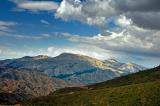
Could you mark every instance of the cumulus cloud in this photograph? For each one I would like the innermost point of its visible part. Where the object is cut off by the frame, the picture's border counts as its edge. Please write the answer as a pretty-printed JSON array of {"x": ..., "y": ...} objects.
[
  {"x": 92, "y": 12},
  {"x": 137, "y": 24},
  {"x": 123, "y": 21},
  {"x": 144, "y": 13}
]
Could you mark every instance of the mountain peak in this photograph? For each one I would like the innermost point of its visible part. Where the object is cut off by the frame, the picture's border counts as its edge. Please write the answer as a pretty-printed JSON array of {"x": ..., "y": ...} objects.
[
  {"x": 113, "y": 60},
  {"x": 41, "y": 57},
  {"x": 35, "y": 57},
  {"x": 69, "y": 54},
  {"x": 72, "y": 56},
  {"x": 26, "y": 57},
  {"x": 76, "y": 56}
]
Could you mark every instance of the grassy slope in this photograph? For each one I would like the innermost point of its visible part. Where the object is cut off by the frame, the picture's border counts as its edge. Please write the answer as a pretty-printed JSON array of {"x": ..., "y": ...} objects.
[{"x": 140, "y": 89}]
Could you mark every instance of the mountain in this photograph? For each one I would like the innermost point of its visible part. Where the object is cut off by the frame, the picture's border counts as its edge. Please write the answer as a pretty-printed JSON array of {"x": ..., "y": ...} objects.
[
  {"x": 125, "y": 67},
  {"x": 74, "y": 68},
  {"x": 22, "y": 84},
  {"x": 138, "y": 89}
]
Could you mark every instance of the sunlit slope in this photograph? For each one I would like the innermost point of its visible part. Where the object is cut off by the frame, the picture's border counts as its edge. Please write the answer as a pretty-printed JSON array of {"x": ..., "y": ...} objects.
[{"x": 140, "y": 89}]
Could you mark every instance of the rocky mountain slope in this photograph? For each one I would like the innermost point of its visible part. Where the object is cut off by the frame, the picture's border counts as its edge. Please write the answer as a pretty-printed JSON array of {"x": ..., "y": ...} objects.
[
  {"x": 138, "y": 89},
  {"x": 21, "y": 84},
  {"x": 73, "y": 68}
]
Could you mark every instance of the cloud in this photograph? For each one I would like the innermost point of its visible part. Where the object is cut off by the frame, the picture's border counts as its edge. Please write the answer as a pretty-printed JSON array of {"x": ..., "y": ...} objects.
[
  {"x": 130, "y": 40},
  {"x": 123, "y": 21},
  {"x": 6, "y": 52},
  {"x": 20, "y": 36},
  {"x": 144, "y": 13},
  {"x": 136, "y": 5},
  {"x": 82, "y": 49},
  {"x": 137, "y": 24},
  {"x": 6, "y": 25},
  {"x": 36, "y": 5},
  {"x": 44, "y": 22},
  {"x": 136, "y": 32},
  {"x": 6, "y": 30},
  {"x": 93, "y": 12},
  {"x": 147, "y": 20}
]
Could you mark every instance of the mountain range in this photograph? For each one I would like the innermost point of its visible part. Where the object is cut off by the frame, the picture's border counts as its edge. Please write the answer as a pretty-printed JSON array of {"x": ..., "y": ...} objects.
[
  {"x": 29, "y": 77},
  {"x": 74, "y": 68}
]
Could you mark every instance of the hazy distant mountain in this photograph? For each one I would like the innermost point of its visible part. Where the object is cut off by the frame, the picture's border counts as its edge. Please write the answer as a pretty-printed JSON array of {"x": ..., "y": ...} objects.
[{"x": 74, "y": 68}]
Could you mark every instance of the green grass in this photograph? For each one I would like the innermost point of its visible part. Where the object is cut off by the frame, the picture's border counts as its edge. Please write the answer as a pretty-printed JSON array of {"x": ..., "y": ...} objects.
[
  {"x": 140, "y": 77},
  {"x": 140, "y": 89}
]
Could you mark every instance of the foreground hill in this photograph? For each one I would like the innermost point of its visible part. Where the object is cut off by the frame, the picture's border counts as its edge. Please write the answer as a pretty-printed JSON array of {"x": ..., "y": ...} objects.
[
  {"x": 139, "y": 89},
  {"x": 74, "y": 68}
]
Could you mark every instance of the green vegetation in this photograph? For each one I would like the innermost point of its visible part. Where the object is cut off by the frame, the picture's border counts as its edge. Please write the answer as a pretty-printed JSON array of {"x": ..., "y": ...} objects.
[{"x": 139, "y": 89}]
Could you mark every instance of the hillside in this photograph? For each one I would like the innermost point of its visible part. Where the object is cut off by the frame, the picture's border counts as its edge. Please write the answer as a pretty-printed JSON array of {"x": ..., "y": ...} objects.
[
  {"x": 139, "y": 89},
  {"x": 22, "y": 84}
]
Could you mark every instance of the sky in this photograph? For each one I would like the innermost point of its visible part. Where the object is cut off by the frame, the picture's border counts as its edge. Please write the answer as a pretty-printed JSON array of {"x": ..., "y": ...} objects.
[{"x": 126, "y": 30}]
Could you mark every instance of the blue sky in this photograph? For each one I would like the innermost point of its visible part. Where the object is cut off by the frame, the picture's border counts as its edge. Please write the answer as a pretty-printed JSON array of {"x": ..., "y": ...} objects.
[{"x": 101, "y": 29}]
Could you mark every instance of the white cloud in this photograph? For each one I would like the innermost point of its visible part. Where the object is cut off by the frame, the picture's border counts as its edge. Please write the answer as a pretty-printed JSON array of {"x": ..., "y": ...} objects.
[
  {"x": 93, "y": 12},
  {"x": 20, "y": 36},
  {"x": 83, "y": 49},
  {"x": 130, "y": 40},
  {"x": 36, "y": 5},
  {"x": 123, "y": 21},
  {"x": 44, "y": 22},
  {"x": 145, "y": 13},
  {"x": 132, "y": 17},
  {"x": 89, "y": 50},
  {"x": 5, "y": 25},
  {"x": 66, "y": 11},
  {"x": 6, "y": 52},
  {"x": 6, "y": 30}
]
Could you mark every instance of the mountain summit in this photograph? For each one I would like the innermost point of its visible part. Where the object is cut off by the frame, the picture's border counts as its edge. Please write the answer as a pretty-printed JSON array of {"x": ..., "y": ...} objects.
[{"x": 36, "y": 57}]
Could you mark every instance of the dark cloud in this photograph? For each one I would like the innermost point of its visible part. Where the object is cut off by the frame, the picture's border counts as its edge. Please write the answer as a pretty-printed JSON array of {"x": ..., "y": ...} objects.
[
  {"x": 144, "y": 13},
  {"x": 137, "y": 5},
  {"x": 146, "y": 20}
]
